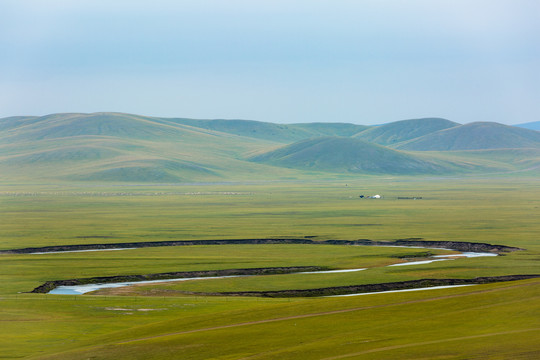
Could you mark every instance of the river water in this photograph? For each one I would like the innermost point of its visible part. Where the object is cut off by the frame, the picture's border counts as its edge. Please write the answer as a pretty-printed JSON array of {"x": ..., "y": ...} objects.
[
  {"x": 404, "y": 290},
  {"x": 82, "y": 289},
  {"x": 445, "y": 257}
]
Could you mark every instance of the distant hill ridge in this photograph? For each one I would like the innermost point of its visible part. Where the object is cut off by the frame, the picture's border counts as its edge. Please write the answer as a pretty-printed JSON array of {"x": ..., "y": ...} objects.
[
  {"x": 475, "y": 136},
  {"x": 535, "y": 125},
  {"x": 340, "y": 154},
  {"x": 284, "y": 133},
  {"x": 125, "y": 147},
  {"x": 404, "y": 130},
  {"x": 143, "y": 127}
]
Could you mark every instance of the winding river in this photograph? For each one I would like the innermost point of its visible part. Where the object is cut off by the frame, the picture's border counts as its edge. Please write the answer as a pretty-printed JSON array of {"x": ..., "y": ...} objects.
[{"x": 82, "y": 289}]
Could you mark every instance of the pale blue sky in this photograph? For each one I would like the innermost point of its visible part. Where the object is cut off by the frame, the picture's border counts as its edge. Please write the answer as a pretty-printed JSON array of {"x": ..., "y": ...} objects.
[{"x": 365, "y": 62}]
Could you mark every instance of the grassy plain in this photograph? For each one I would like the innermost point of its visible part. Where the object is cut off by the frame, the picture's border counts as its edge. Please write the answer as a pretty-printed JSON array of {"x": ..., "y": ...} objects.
[{"x": 485, "y": 321}]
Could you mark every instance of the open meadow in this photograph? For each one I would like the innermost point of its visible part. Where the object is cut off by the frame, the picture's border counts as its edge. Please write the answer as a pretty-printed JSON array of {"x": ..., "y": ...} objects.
[{"x": 159, "y": 321}]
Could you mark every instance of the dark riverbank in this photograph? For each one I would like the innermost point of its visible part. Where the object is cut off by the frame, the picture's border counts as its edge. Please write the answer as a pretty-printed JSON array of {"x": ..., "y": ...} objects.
[
  {"x": 452, "y": 245},
  {"x": 368, "y": 288},
  {"x": 50, "y": 285}
]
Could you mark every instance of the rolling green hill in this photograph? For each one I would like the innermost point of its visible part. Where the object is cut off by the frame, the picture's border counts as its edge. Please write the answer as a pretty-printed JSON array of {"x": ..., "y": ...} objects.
[
  {"x": 97, "y": 158},
  {"x": 332, "y": 129},
  {"x": 117, "y": 125},
  {"x": 475, "y": 136},
  {"x": 121, "y": 147},
  {"x": 399, "y": 131},
  {"x": 282, "y": 133},
  {"x": 248, "y": 128},
  {"x": 15, "y": 121},
  {"x": 339, "y": 154}
]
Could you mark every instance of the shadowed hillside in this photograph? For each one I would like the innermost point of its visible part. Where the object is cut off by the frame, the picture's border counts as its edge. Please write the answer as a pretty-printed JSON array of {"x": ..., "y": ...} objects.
[
  {"x": 475, "y": 136},
  {"x": 399, "y": 131},
  {"x": 338, "y": 154}
]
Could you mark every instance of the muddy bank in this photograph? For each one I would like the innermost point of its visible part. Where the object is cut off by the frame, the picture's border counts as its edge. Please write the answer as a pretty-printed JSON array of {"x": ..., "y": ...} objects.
[
  {"x": 452, "y": 245},
  {"x": 368, "y": 288},
  {"x": 50, "y": 285},
  {"x": 419, "y": 242},
  {"x": 82, "y": 247}
]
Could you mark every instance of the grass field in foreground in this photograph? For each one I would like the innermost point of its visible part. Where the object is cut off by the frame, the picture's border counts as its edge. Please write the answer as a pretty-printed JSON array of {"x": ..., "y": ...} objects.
[
  {"x": 495, "y": 324},
  {"x": 496, "y": 321}
]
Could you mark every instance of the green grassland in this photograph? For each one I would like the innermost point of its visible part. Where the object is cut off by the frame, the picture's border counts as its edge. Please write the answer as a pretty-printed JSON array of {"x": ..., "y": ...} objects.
[
  {"x": 502, "y": 211},
  {"x": 495, "y": 321}
]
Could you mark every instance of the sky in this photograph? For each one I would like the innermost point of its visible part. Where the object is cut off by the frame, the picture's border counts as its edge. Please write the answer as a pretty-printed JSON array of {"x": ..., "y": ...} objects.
[{"x": 283, "y": 61}]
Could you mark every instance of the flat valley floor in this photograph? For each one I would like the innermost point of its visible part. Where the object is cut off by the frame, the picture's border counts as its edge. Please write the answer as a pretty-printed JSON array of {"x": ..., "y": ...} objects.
[{"x": 159, "y": 321}]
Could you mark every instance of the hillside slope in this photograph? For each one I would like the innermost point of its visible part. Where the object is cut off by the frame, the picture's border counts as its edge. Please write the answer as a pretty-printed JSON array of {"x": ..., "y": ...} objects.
[
  {"x": 475, "y": 136},
  {"x": 331, "y": 129},
  {"x": 121, "y": 147},
  {"x": 399, "y": 131},
  {"x": 282, "y": 133},
  {"x": 497, "y": 160},
  {"x": 16, "y": 121},
  {"x": 338, "y": 154},
  {"x": 67, "y": 125}
]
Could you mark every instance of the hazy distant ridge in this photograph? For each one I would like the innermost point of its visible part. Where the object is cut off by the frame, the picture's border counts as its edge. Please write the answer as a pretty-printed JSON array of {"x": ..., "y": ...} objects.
[
  {"x": 404, "y": 130},
  {"x": 535, "y": 125},
  {"x": 475, "y": 136},
  {"x": 125, "y": 147},
  {"x": 340, "y": 154}
]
